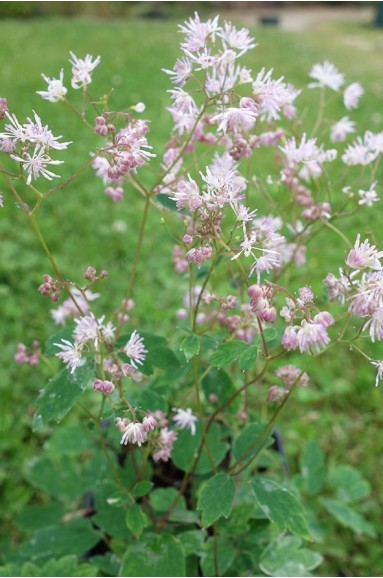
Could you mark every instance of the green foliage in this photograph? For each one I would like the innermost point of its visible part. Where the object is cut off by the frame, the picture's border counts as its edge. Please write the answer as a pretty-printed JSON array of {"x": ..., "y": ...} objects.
[
  {"x": 190, "y": 346},
  {"x": 216, "y": 498},
  {"x": 186, "y": 447},
  {"x": 227, "y": 353},
  {"x": 280, "y": 506},
  {"x": 154, "y": 555},
  {"x": 348, "y": 517},
  {"x": 349, "y": 484},
  {"x": 285, "y": 556},
  {"x": 225, "y": 557},
  {"x": 250, "y": 440},
  {"x": 61, "y": 393},
  {"x": 313, "y": 467},
  {"x": 136, "y": 520},
  {"x": 66, "y": 566}
]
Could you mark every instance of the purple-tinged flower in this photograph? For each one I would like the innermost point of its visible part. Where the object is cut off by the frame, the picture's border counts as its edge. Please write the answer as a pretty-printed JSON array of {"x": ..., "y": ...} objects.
[
  {"x": 134, "y": 433},
  {"x": 181, "y": 72},
  {"x": 312, "y": 334},
  {"x": 238, "y": 40},
  {"x": 198, "y": 33},
  {"x": 274, "y": 394},
  {"x": 290, "y": 338},
  {"x": 379, "y": 365},
  {"x": 376, "y": 325},
  {"x": 289, "y": 374},
  {"x": 305, "y": 295},
  {"x": 273, "y": 96},
  {"x": 324, "y": 318},
  {"x": 70, "y": 354},
  {"x": 235, "y": 119},
  {"x": 35, "y": 164},
  {"x": 185, "y": 419},
  {"x": 352, "y": 95},
  {"x": 364, "y": 255},
  {"x": 103, "y": 385},
  {"x": 88, "y": 329},
  {"x": 368, "y": 197},
  {"x": 326, "y": 75},
  {"x": 341, "y": 129},
  {"x": 55, "y": 90},
  {"x": 149, "y": 423},
  {"x": 135, "y": 349},
  {"x": 362, "y": 151},
  {"x": 3, "y": 107},
  {"x": 164, "y": 444},
  {"x": 81, "y": 69}
]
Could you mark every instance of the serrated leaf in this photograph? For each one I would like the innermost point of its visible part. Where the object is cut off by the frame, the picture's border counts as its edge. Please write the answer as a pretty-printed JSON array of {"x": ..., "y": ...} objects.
[
  {"x": 186, "y": 447},
  {"x": 190, "y": 346},
  {"x": 280, "y": 506},
  {"x": 136, "y": 520},
  {"x": 349, "y": 484},
  {"x": 142, "y": 488},
  {"x": 285, "y": 556},
  {"x": 250, "y": 440},
  {"x": 313, "y": 467},
  {"x": 227, "y": 353},
  {"x": 348, "y": 517},
  {"x": 61, "y": 393},
  {"x": 248, "y": 358},
  {"x": 216, "y": 498},
  {"x": 154, "y": 555}
]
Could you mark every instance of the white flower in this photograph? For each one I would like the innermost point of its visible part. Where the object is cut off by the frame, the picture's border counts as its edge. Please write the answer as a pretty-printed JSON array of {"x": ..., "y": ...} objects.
[
  {"x": 352, "y": 95},
  {"x": 326, "y": 74},
  {"x": 139, "y": 107},
  {"x": 184, "y": 418},
  {"x": 70, "y": 354},
  {"x": 341, "y": 129},
  {"x": 55, "y": 90},
  {"x": 134, "y": 433},
  {"x": 379, "y": 375},
  {"x": 364, "y": 255},
  {"x": 35, "y": 164},
  {"x": 135, "y": 349},
  {"x": 235, "y": 119},
  {"x": 236, "y": 39},
  {"x": 87, "y": 329},
  {"x": 368, "y": 197},
  {"x": 81, "y": 69}
]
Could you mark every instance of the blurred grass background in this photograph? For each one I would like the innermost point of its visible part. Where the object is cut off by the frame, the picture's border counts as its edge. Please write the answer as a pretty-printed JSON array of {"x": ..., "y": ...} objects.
[{"x": 342, "y": 410}]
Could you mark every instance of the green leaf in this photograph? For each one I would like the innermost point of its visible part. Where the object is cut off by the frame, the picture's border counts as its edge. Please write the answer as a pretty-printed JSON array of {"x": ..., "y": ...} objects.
[
  {"x": 225, "y": 557},
  {"x": 285, "y": 556},
  {"x": 108, "y": 563},
  {"x": 167, "y": 202},
  {"x": 38, "y": 515},
  {"x": 348, "y": 517},
  {"x": 68, "y": 439},
  {"x": 250, "y": 440},
  {"x": 349, "y": 484},
  {"x": 227, "y": 353},
  {"x": 192, "y": 541},
  {"x": 66, "y": 566},
  {"x": 67, "y": 333},
  {"x": 154, "y": 555},
  {"x": 58, "y": 477},
  {"x": 110, "y": 510},
  {"x": 248, "y": 358},
  {"x": 219, "y": 383},
  {"x": 61, "y": 393},
  {"x": 142, "y": 488},
  {"x": 186, "y": 447},
  {"x": 161, "y": 500},
  {"x": 190, "y": 346},
  {"x": 216, "y": 498},
  {"x": 136, "y": 520},
  {"x": 280, "y": 506},
  {"x": 73, "y": 538},
  {"x": 313, "y": 467}
]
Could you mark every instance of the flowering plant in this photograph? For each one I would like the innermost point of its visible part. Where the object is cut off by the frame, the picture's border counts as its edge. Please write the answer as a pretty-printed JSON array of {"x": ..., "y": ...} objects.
[{"x": 177, "y": 445}]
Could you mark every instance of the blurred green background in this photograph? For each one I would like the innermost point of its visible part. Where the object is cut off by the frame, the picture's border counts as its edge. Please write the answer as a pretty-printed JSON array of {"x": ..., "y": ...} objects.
[{"x": 83, "y": 227}]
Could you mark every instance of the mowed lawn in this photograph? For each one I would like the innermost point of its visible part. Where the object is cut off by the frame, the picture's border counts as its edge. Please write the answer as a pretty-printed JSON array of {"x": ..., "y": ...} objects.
[{"x": 83, "y": 227}]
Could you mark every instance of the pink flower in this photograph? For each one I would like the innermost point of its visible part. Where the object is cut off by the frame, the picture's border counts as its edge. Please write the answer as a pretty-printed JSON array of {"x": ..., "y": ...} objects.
[
  {"x": 352, "y": 95},
  {"x": 290, "y": 338},
  {"x": 289, "y": 374},
  {"x": 103, "y": 385},
  {"x": 35, "y": 164},
  {"x": 70, "y": 354},
  {"x": 368, "y": 197},
  {"x": 324, "y": 318},
  {"x": 364, "y": 255},
  {"x": 135, "y": 349},
  {"x": 164, "y": 444},
  {"x": 134, "y": 433},
  {"x": 149, "y": 423},
  {"x": 313, "y": 335},
  {"x": 235, "y": 119}
]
